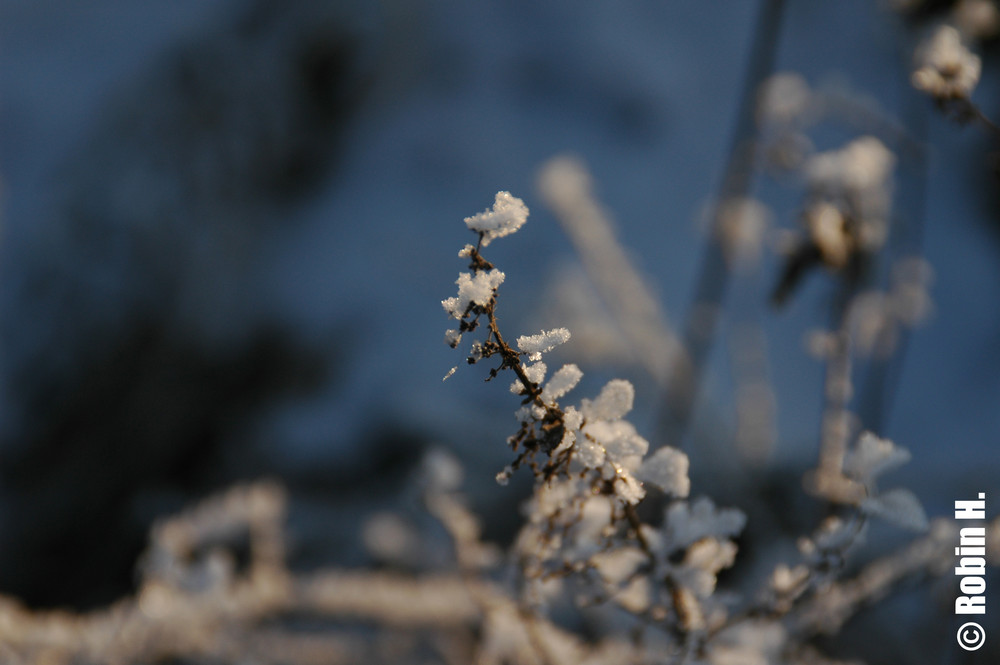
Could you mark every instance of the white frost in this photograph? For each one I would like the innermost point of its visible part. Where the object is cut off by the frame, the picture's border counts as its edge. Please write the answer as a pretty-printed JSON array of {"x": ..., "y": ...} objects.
[
  {"x": 783, "y": 99},
  {"x": 507, "y": 215},
  {"x": 616, "y": 566},
  {"x": 476, "y": 289},
  {"x": 441, "y": 470},
  {"x": 589, "y": 452},
  {"x": 561, "y": 383},
  {"x": 536, "y": 345},
  {"x": 872, "y": 456},
  {"x": 946, "y": 69},
  {"x": 690, "y": 522},
  {"x": 571, "y": 423},
  {"x": 832, "y": 534},
  {"x": 614, "y": 401},
  {"x": 702, "y": 563},
  {"x": 785, "y": 580},
  {"x": 899, "y": 506},
  {"x": 667, "y": 468},
  {"x": 535, "y": 373},
  {"x": 862, "y": 165},
  {"x": 619, "y": 438},
  {"x": 629, "y": 488},
  {"x": 452, "y": 338}
]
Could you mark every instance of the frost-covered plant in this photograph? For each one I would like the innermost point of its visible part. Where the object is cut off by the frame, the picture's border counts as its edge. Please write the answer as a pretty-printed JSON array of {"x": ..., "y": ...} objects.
[
  {"x": 592, "y": 469},
  {"x": 654, "y": 589},
  {"x": 946, "y": 69},
  {"x": 557, "y": 442},
  {"x": 590, "y": 465},
  {"x": 945, "y": 66},
  {"x": 846, "y": 213}
]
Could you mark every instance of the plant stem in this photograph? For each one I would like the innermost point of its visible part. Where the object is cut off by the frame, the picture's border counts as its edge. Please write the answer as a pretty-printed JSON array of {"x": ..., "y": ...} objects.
[{"x": 714, "y": 274}]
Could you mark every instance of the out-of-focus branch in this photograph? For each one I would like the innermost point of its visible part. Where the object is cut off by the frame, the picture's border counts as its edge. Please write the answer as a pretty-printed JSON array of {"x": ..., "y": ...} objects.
[
  {"x": 195, "y": 603},
  {"x": 714, "y": 274},
  {"x": 567, "y": 188},
  {"x": 829, "y": 608}
]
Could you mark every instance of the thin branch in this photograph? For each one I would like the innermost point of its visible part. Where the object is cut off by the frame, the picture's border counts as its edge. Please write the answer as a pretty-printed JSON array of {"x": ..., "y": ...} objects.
[{"x": 714, "y": 274}]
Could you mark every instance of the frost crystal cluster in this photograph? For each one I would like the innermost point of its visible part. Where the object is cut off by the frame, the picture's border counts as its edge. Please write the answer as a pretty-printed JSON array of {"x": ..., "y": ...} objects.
[
  {"x": 592, "y": 439},
  {"x": 946, "y": 69},
  {"x": 852, "y": 193},
  {"x": 592, "y": 468},
  {"x": 507, "y": 215},
  {"x": 609, "y": 523}
]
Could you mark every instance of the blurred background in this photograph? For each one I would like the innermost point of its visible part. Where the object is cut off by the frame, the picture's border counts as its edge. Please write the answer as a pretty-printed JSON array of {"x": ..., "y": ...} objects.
[{"x": 227, "y": 228}]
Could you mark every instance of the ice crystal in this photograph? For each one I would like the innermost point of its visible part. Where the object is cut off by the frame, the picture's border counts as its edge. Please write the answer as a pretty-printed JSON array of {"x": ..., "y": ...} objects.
[
  {"x": 742, "y": 226},
  {"x": 473, "y": 289},
  {"x": 862, "y": 165},
  {"x": 628, "y": 488},
  {"x": 899, "y": 506},
  {"x": 702, "y": 563},
  {"x": 667, "y": 468},
  {"x": 535, "y": 373},
  {"x": 829, "y": 232},
  {"x": 783, "y": 99},
  {"x": 452, "y": 337},
  {"x": 507, "y": 215},
  {"x": 833, "y": 534},
  {"x": 614, "y": 401},
  {"x": 786, "y": 580},
  {"x": 873, "y": 456},
  {"x": 563, "y": 381},
  {"x": 687, "y": 523},
  {"x": 946, "y": 69},
  {"x": 543, "y": 342},
  {"x": 619, "y": 438}
]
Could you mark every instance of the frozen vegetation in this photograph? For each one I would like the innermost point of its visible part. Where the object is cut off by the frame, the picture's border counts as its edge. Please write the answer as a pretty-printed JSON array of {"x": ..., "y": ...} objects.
[{"x": 646, "y": 495}]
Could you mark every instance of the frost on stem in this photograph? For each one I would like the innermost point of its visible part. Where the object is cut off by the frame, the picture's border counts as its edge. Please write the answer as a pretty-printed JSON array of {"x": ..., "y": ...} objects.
[
  {"x": 593, "y": 439},
  {"x": 474, "y": 289},
  {"x": 667, "y": 469},
  {"x": 783, "y": 99},
  {"x": 589, "y": 464},
  {"x": 876, "y": 318},
  {"x": 741, "y": 229},
  {"x": 856, "y": 181},
  {"x": 592, "y": 468},
  {"x": 507, "y": 215},
  {"x": 946, "y": 69},
  {"x": 543, "y": 342},
  {"x": 847, "y": 212},
  {"x": 852, "y": 481}
]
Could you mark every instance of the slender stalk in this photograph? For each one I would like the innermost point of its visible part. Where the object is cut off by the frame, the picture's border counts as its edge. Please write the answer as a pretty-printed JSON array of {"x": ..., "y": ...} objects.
[
  {"x": 714, "y": 275},
  {"x": 882, "y": 380},
  {"x": 977, "y": 115}
]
